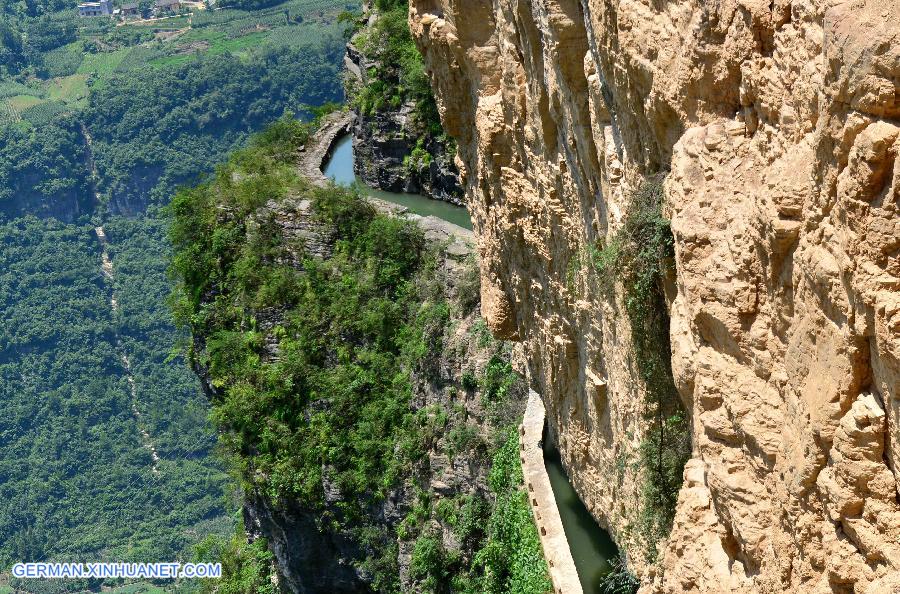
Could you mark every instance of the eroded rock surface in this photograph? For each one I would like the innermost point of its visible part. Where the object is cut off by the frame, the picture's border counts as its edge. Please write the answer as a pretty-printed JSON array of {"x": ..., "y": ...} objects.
[{"x": 779, "y": 125}]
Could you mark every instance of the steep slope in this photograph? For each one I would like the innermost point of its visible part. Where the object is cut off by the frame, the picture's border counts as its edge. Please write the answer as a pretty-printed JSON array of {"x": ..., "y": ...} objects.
[
  {"x": 398, "y": 142},
  {"x": 777, "y": 126},
  {"x": 371, "y": 415}
]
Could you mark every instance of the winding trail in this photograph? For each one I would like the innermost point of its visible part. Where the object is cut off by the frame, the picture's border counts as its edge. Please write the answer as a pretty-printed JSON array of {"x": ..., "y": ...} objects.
[{"x": 109, "y": 276}]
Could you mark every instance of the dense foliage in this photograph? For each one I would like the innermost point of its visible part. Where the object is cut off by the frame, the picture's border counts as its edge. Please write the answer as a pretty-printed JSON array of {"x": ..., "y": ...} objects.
[
  {"x": 46, "y": 163},
  {"x": 76, "y": 479},
  {"x": 511, "y": 556},
  {"x": 500, "y": 550},
  {"x": 639, "y": 256},
  {"x": 309, "y": 357},
  {"x": 399, "y": 73},
  {"x": 153, "y": 132},
  {"x": 157, "y": 109},
  {"x": 340, "y": 343},
  {"x": 246, "y": 567}
]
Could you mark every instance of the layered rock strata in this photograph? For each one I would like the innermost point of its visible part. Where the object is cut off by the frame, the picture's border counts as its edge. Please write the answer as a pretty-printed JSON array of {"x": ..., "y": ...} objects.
[{"x": 779, "y": 126}]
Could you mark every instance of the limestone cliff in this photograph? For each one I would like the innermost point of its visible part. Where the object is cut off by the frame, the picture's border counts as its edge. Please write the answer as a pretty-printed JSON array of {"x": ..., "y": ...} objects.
[{"x": 778, "y": 125}]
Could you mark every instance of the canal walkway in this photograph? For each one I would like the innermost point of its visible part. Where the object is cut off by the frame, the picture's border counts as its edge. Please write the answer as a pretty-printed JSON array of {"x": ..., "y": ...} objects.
[
  {"x": 543, "y": 502},
  {"x": 312, "y": 161}
]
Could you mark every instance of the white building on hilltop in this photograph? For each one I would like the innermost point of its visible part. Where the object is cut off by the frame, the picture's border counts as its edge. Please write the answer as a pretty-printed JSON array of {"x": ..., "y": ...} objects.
[{"x": 94, "y": 9}]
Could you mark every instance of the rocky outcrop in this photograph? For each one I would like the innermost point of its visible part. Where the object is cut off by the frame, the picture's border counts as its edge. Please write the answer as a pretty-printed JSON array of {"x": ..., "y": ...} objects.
[
  {"x": 394, "y": 151},
  {"x": 314, "y": 550},
  {"x": 384, "y": 157},
  {"x": 779, "y": 126},
  {"x": 308, "y": 559},
  {"x": 65, "y": 206}
]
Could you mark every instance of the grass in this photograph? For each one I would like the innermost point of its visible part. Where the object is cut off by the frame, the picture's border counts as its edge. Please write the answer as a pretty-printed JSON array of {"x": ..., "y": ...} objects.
[
  {"x": 102, "y": 64},
  {"x": 218, "y": 43},
  {"x": 23, "y": 102},
  {"x": 42, "y": 103},
  {"x": 64, "y": 60},
  {"x": 72, "y": 90},
  {"x": 166, "y": 24}
]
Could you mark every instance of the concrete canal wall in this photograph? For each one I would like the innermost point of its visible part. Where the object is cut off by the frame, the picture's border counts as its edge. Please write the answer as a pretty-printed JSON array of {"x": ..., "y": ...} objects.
[{"x": 543, "y": 502}]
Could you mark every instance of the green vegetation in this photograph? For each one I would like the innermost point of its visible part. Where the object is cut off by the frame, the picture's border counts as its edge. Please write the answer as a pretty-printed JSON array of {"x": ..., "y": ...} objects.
[
  {"x": 619, "y": 580},
  {"x": 511, "y": 558},
  {"x": 182, "y": 120},
  {"x": 639, "y": 256},
  {"x": 154, "y": 107},
  {"x": 43, "y": 164},
  {"x": 246, "y": 567},
  {"x": 309, "y": 359},
  {"x": 399, "y": 75},
  {"x": 501, "y": 550},
  {"x": 76, "y": 475},
  {"x": 164, "y": 101},
  {"x": 334, "y": 391}
]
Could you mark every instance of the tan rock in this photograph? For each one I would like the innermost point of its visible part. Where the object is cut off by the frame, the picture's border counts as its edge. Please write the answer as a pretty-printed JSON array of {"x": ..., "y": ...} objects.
[{"x": 779, "y": 125}]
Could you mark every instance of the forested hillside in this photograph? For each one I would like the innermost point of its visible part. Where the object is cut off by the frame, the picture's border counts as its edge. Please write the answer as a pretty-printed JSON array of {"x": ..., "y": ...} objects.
[
  {"x": 159, "y": 101},
  {"x": 100, "y": 119},
  {"x": 75, "y": 475}
]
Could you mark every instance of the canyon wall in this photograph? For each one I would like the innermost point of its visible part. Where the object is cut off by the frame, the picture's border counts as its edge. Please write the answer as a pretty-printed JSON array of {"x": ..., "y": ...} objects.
[{"x": 778, "y": 126}]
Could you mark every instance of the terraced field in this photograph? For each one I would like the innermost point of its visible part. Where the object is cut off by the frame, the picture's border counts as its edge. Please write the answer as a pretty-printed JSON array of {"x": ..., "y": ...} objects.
[{"x": 75, "y": 68}]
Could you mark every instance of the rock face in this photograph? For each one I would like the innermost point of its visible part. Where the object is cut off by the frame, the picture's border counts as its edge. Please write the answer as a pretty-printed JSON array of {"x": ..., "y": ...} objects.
[
  {"x": 309, "y": 560},
  {"x": 779, "y": 125},
  {"x": 385, "y": 143}
]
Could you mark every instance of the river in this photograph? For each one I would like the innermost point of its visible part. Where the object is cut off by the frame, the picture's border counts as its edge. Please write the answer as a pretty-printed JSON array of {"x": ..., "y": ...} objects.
[{"x": 340, "y": 169}]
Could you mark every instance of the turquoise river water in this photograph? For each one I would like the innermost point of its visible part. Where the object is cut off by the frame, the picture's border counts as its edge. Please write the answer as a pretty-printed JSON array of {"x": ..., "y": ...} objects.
[{"x": 340, "y": 169}]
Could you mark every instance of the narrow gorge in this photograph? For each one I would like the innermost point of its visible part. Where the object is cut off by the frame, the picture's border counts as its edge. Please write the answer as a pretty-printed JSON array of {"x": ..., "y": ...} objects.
[{"x": 690, "y": 209}]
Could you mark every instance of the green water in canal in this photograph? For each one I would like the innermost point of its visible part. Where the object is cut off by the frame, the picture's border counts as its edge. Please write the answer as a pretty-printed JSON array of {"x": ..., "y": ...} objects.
[
  {"x": 340, "y": 169},
  {"x": 592, "y": 548}
]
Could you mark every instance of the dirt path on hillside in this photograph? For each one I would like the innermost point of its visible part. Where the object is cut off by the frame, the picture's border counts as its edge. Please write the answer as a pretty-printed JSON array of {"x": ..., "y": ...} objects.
[{"x": 109, "y": 276}]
